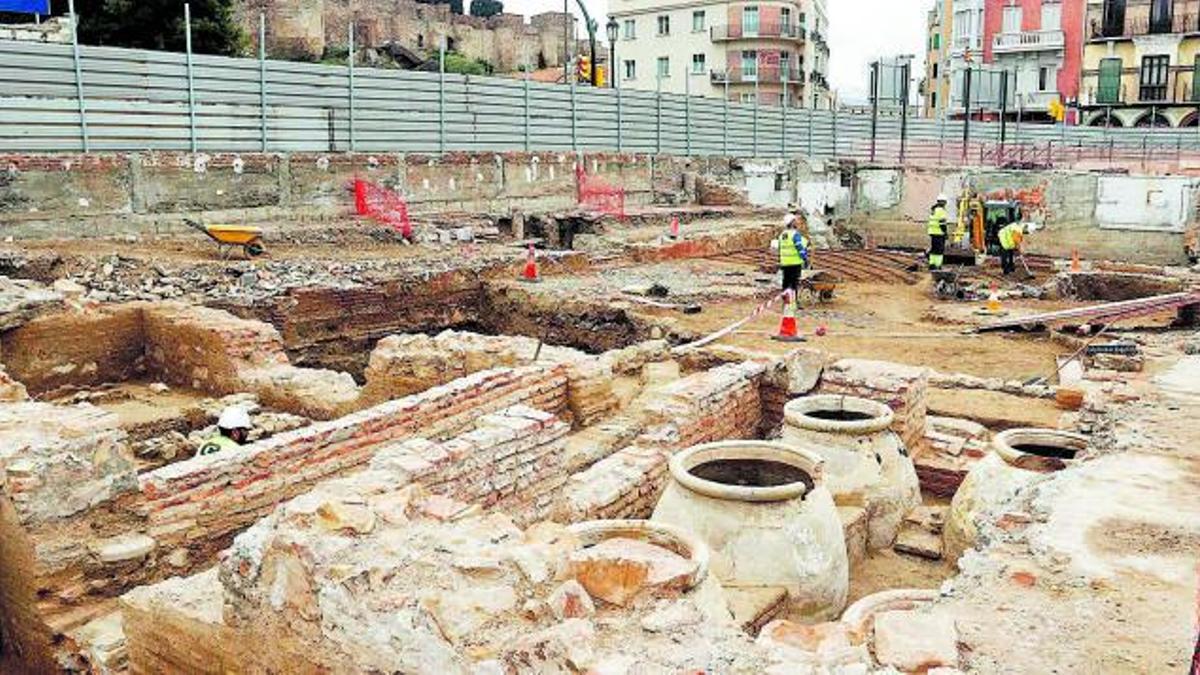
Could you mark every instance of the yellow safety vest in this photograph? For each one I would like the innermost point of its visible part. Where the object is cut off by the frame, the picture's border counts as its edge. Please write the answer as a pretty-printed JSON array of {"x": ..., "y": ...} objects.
[
  {"x": 217, "y": 444},
  {"x": 789, "y": 254},
  {"x": 937, "y": 221},
  {"x": 1011, "y": 236}
]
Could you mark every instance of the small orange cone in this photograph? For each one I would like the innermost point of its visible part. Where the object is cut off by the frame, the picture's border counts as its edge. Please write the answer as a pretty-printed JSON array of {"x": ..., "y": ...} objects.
[
  {"x": 674, "y": 227},
  {"x": 993, "y": 301},
  {"x": 1075, "y": 266},
  {"x": 530, "y": 273},
  {"x": 787, "y": 324}
]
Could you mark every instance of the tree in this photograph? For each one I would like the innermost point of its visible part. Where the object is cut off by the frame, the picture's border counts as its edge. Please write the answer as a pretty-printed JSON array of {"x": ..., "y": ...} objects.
[
  {"x": 157, "y": 24},
  {"x": 462, "y": 65},
  {"x": 486, "y": 8}
]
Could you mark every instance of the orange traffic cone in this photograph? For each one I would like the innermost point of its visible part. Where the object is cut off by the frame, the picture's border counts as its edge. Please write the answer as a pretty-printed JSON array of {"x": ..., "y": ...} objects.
[
  {"x": 530, "y": 273},
  {"x": 787, "y": 324},
  {"x": 993, "y": 301},
  {"x": 1075, "y": 266},
  {"x": 674, "y": 227}
]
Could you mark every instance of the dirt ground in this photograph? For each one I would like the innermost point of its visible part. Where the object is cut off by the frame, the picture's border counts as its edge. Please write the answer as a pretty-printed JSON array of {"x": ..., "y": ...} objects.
[{"x": 889, "y": 322}]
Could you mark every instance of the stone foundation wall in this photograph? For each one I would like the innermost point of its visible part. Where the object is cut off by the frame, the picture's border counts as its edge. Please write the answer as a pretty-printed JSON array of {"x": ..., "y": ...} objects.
[
  {"x": 76, "y": 349},
  {"x": 75, "y": 541}
]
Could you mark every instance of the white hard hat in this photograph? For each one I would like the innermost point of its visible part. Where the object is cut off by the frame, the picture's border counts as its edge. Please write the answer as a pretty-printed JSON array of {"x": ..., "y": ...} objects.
[
  {"x": 1030, "y": 228},
  {"x": 234, "y": 417},
  {"x": 943, "y": 198},
  {"x": 789, "y": 220}
]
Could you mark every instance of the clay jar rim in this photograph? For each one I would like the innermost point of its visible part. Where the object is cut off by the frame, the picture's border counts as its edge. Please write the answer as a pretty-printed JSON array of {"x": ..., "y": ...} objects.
[
  {"x": 684, "y": 461},
  {"x": 796, "y": 413},
  {"x": 674, "y": 539},
  {"x": 1004, "y": 443}
]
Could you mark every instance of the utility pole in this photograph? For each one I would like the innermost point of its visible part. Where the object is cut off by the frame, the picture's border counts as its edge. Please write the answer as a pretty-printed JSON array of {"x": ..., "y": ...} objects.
[
  {"x": 568, "y": 20},
  {"x": 874, "y": 105}
]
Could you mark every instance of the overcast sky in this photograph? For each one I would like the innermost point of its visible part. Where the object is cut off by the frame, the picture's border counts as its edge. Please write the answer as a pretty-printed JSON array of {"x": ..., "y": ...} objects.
[{"x": 860, "y": 31}]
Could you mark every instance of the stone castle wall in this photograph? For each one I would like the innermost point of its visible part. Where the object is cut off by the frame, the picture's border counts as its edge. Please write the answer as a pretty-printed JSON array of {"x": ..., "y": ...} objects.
[{"x": 303, "y": 29}]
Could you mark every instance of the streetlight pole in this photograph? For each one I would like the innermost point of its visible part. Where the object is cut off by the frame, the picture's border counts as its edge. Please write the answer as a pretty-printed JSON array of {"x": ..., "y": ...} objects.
[{"x": 611, "y": 29}]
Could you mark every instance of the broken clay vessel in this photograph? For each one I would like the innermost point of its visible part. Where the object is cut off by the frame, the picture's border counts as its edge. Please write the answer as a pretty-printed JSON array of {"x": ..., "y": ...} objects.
[
  {"x": 1019, "y": 459},
  {"x": 698, "y": 585},
  {"x": 767, "y": 518},
  {"x": 866, "y": 463}
]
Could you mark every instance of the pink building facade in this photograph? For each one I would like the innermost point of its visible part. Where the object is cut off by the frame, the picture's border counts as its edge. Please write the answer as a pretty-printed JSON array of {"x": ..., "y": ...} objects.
[{"x": 1039, "y": 44}]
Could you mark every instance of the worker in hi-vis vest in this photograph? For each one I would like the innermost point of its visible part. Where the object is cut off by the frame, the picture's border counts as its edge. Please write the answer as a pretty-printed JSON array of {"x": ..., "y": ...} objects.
[
  {"x": 233, "y": 430},
  {"x": 792, "y": 246},
  {"x": 1011, "y": 238},
  {"x": 936, "y": 228}
]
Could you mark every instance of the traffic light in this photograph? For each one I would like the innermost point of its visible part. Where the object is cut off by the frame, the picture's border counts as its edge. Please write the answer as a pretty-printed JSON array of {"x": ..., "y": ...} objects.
[{"x": 583, "y": 69}]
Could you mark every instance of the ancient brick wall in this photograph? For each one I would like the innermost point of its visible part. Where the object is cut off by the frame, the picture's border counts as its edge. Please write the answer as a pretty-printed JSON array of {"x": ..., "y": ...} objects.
[
  {"x": 720, "y": 404},
  {"x": 198, "y": 504},
  {"x": 206, "y": 348}
]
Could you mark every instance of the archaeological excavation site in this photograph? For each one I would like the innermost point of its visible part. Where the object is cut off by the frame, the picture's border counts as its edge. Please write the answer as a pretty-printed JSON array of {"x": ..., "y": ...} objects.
[{"x": 498, "y": 414}]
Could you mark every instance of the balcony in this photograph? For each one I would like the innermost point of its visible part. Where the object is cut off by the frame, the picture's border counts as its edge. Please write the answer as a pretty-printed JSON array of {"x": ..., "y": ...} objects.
[
  {"x": 1034, "y": 100},
  {"x": 778, "y": 31},
  {"x": 761, "y": 74},
  {"x": 1099, "y": 30},
  {"x": 818, "y": 79},
  {"x": 1028, "y": 41}
]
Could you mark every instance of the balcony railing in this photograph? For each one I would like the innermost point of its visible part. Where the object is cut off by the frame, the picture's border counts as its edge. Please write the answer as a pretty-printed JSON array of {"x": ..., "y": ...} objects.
[
  {"x": 1137, "y": 26},
  {"x": 818, "y": 79},
  {"x": 1180, "y": 92},
  {"x": 1028, "y": 41},
  {"x": 765, "y": 30},
  {"x": 761, "y": 74}
]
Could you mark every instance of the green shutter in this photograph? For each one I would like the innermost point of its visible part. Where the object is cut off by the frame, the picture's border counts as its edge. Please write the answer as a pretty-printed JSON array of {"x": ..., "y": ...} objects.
[
  {"x": 1110, "y": 81},
  {"x": 1196, "y": 80}
]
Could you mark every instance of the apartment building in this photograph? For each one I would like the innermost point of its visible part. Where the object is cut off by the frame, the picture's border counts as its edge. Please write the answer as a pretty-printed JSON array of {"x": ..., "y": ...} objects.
[
  {"x": 775, "y": 51},
  {"x": 1039, "y": 45},
  {"x": 1140, "y": 65},
  {"x": 936, "y": 85}
]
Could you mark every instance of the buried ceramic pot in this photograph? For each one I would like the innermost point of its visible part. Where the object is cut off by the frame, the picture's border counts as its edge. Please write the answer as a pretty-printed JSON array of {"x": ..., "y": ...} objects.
[
  {"x": 866, "y": 463},
  {"x": 763, "y": 510},
  {"x": 699, "y": 585},
  {"x": 1019, "y": 459}
]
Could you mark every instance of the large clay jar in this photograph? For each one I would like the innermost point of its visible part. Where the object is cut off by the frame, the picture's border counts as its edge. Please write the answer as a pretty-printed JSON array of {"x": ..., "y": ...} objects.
[
  {"x": 866, "y": 463},
  {"x": 767, "y": 518},
  {"x": 1019, "y": 459}
]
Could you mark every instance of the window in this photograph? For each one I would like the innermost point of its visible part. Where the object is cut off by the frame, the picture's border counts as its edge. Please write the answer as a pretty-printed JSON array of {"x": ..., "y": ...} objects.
[
  {"x": 630, "y": 29},
  {"x": 937, "y": 41},
  {"x": 664, "y": 24},
  {"x": 698, "y": 21},
  {"x": 1012, "y": 19},
  {"x": 699, "y": 64},
  {"x": 935, "y": 71},
  {"x": 1046, "y": 78},
  {"x": 747, "y": 98},
  {"x": 1154, "y": 78},
  {"x": 750, "y": 65},
  {"x": 664, "y": 66},
  {"x": 1110, "y": 81},
  {"x": 1160, "y": 15},
  {"x": 933, "y": 99},
  {"x": 1114, "y": 18},
  {"x": 630, "y": 69},
  {"x": 1052, "y": 16},
  {"x": 750, "y": 21},
  {"x": 785, "y": 20}
]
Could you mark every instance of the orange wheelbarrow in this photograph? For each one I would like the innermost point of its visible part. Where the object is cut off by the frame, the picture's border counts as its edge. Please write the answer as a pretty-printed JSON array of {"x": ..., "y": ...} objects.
[{"x": 229, "y": 237}]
